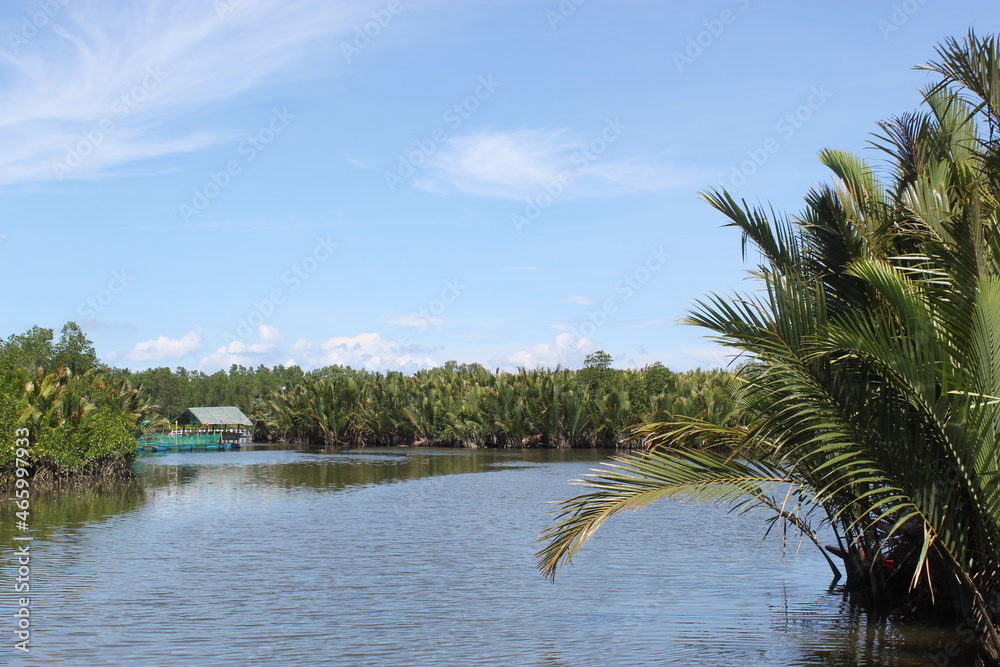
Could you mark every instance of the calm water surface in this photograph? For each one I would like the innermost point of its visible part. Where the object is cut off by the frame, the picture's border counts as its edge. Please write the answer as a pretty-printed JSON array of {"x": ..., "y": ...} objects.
[{"x": 420, "y": 557}]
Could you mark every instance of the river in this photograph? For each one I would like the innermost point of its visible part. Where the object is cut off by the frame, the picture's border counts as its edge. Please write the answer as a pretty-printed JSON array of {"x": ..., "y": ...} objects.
[{"x": 291, "y": 556}]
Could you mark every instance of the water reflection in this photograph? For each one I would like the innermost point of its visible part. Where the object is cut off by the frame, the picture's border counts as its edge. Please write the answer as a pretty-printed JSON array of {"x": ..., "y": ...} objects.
[
  {"x": 336, "y": 469},
  {"x": 846, "y": 635},
  {"x": 70, "y": 509},
  {"x": 411, "y": 556}
]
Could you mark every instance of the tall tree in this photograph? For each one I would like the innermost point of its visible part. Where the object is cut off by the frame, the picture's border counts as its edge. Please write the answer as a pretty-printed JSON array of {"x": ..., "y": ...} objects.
[
  {"x": 74, "y": 350},
  {"x": 597, "y": 372},
  {"x": 28, "y": 351}
]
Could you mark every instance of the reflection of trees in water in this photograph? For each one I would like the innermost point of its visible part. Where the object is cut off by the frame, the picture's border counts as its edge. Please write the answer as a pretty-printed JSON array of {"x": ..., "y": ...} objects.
[
  {"x": 331, "y": 469},
  {"x": 73, "y": 507},
  {"x": 854, "y": 635}
]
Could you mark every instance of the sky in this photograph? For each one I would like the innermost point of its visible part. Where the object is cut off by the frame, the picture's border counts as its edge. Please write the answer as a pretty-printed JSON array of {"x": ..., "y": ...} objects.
[{"x": 394, "y": 184}]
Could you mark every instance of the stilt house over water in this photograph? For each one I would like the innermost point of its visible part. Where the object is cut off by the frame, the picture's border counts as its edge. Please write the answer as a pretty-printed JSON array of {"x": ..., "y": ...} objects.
[{"x": 226, "y": 420}]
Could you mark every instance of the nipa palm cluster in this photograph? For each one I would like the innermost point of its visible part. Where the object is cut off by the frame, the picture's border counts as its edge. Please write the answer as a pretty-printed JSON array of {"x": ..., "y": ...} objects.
[
  {"x": 869, "y": 400},
  {"x": 473, "y": 407}
]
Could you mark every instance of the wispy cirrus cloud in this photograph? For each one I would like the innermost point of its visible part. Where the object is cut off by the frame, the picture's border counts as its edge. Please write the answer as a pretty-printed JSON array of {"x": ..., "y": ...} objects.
[
  {"x": 112, "y": 80},
  {"x": 576, "y": 298},
  {"x": 518, "y": 164},
  {"x": 500, "y": 164},
  {"x": 418, "y": 320}
]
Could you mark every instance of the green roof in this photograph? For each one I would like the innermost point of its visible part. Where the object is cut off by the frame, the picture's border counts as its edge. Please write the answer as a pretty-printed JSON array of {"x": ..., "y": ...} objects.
[{"x": 216, "y": 416}]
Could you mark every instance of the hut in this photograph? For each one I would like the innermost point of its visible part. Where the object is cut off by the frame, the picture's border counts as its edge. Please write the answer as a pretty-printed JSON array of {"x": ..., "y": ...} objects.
[{"x": 228, "y": 420}]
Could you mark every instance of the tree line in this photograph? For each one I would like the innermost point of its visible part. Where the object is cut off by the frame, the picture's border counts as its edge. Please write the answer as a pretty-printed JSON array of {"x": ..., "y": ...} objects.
[
  {"x": 84, "y": 416},
  {"x": 467, "y": 405},
  {"x": 454, "y": 404}
]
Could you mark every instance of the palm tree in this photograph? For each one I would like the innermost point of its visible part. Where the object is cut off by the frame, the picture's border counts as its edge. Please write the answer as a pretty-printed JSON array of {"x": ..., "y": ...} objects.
[{"x": 870, "y": 400}]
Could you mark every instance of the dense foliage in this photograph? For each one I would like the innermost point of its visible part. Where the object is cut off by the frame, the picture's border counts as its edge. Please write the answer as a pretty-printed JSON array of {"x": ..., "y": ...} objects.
[
  {"x": 873, "y": 389},
  {"x": 78, "y": 420},
  {"x": 467, "y": 405},
  {"x": 451, "y": 405},
  {"x": 173, "y": 391},
  {"x": 83, "y": 417}
]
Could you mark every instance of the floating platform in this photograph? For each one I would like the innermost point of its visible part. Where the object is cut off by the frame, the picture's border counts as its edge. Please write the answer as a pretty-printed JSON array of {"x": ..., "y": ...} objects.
[
  {"x": 164, "y": 442},
  {"x": 187, "y": 448}
]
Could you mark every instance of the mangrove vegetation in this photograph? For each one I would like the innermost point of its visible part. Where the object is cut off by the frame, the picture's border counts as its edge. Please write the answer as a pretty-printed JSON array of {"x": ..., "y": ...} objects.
[
  {"x": 82, "y": 416},
  {"x": 869, "y": 400},
  {"x": 58, "y": 403},
  {"x": 469, "y": 406}
]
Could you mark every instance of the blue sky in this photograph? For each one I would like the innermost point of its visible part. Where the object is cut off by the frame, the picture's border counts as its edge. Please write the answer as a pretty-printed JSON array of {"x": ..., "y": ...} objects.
[{"x": 395, "y": 184}]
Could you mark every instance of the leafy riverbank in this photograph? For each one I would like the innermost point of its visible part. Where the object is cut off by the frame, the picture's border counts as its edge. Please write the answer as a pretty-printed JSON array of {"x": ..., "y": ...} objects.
[
  {"x": 61, "y": 418},
  {"x": 78, "y": 419},
  {"x": 456, "y": 405}
]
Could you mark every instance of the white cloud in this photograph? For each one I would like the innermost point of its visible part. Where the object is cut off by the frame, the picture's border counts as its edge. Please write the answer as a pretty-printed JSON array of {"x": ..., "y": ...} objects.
[
  {"x": 566, "y": 351},
  {"x": 519, "y": 164},
  {"x": 166, "y": 349},
  {"x": 112, "y": 79},
  {"x": 246, "y": 354},
  {"x": 476, "y": 335},
  {"x": 685, "y": 357},
  {"x": 367, "y": 350},
  {"x": 372, "y": 352},
  {"x": 414, "y": 320},
  {"x": 576, "y": 298},
  {"x": 365, "y": 163},
  {"x": 501, "y": 164}
]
